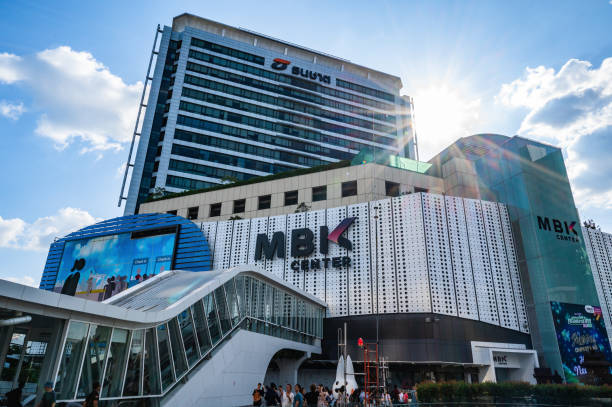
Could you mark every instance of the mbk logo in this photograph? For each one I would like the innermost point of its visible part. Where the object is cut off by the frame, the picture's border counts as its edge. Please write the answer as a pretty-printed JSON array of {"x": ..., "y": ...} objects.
[
  {"x": 559, "y": 227},
  {"x": 564, "y": 230},
  {"x": 280, "y": 64},
  {"x": 302, "y": 241}
]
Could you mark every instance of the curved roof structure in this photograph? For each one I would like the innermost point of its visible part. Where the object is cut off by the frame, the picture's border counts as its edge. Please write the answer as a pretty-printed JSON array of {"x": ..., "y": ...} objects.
[
  {"x": 192, "y": 252},
  {"x": 148, "y": 303}
]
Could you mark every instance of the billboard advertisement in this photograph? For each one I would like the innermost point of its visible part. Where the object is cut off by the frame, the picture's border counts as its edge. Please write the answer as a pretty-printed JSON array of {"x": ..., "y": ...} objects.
[
  {"x": 97, "y": 268},
  {"x": 582, "y": 336}
]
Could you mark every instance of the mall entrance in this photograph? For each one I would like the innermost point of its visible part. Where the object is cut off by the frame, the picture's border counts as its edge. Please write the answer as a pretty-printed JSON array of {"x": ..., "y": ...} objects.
[{"x": 25, "y": 341}]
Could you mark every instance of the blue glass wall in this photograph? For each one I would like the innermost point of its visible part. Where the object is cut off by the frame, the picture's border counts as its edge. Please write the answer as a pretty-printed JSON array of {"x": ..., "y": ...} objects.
[{"x": 531, "y": 178}]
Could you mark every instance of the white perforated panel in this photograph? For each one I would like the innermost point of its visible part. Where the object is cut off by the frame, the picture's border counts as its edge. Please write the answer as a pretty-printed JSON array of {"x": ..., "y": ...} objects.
[
  {"x": 441, "y": 279},
  {"x": 277, "y": 224},
  {"x": 223, "y": 244},
  {"x": 314, "y": 280},
  {"x": 209, "y": 229},
  {"x": 258, "y": 226},
  {"x": 485, "y": 291},
  {"x": 294, "y": 221},
  {"x": 460, "y": 255},
  {"x": 240, "y": 242},
  {"x": 499, "y": 266},
  {"x": 360, "y": 294},
  {"x": 437, "y": 254},
  {"x": 384, "y": 288},
  {"x": 519, "y": 299},
  {"x": 336, "y": 281},
  {"x": 593, "y": 241},
  {"x": 410, "y": 254}
]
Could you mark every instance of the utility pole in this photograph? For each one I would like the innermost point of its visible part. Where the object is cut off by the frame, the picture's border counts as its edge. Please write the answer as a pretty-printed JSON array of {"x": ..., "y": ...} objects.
[
  {"x": 342, "y": 335},
  {"x": 376, "y": 208}
]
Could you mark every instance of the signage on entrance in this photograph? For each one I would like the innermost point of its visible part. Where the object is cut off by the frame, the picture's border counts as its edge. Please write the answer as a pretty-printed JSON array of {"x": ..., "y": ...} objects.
[
  {"x": 302, "y": 245},
  {"x": 506, "y": 360}
]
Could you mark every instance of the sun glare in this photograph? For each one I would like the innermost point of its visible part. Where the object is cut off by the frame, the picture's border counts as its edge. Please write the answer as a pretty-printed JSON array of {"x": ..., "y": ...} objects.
[{"x": 442, "y": 115}]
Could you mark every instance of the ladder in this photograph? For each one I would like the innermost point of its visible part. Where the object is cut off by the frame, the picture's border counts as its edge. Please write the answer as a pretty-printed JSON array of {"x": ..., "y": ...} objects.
[
  {"x": 148, "y": 79},
  {"x": 370, "y": 370}
]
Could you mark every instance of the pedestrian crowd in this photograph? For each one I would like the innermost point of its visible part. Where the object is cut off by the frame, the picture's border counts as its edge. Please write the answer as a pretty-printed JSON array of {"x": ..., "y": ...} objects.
[{"x": 321, "y": 396}]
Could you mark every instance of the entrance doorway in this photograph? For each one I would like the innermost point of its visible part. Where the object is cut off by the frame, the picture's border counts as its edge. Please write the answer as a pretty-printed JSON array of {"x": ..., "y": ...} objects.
[{"x": 22, "y": 353}]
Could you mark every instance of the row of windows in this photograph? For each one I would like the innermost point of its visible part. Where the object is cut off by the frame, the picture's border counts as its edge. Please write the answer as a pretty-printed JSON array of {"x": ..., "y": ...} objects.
[
  {"x": 247, "y": 148},
  {"x": 263, "y": 202},
  {"x": 188, "y": 183},
  {"x": 207, "y": 171},
  {"x": 287, "y": 104},
  {"x": 228, "y": 159},
  {"x": 365, "y": 90},
  {"x": 287, "y": 91},
  {"x": 275, "y": 114},
  {"x": 291, "y": 80},
  {"x": 220, "y": 49},
  {"x": 254, "y": 136},
  {"x": 264, "y": 124}
]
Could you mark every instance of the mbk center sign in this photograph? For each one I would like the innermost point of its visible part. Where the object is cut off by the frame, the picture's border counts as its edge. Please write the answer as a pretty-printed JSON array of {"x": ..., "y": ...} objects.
[{"x": 303, "y": 245}]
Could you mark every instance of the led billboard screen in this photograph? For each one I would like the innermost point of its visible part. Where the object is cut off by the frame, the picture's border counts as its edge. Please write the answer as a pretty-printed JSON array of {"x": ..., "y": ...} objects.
[
  {"x": 581, "y": 333},
  {"x": 97, "y": 268}
]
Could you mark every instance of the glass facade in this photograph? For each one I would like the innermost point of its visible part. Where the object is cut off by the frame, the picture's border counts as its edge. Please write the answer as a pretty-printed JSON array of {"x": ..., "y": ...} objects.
[
  {"x": 145, "y": 363},
  {"x": 211, "y": 88},
  {"x": 531, "y": 179}
]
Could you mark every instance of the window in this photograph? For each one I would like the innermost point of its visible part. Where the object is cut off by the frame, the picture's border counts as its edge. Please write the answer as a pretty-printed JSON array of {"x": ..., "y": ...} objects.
[
  {"x": 264, "y": 202},
  {"x": 392, "y": 188},
  {"x": 319, "y": 193},
  {"x": 239, "y": 205},
  {"x": 349, "y": 188},
  {"x": 171, "y": 212},
  {"x": 418, "y": 189},
  {"x": 291, "y": 198},
  {"x": 215, "y": 210},
  {"x": 192, "y": 213}
]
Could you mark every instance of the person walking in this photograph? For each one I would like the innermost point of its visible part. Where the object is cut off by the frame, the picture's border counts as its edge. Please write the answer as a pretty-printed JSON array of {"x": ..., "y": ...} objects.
[
  {"x": 94, "y": 397},
  {"x": 272, "y": 398},
  {"x": 298, "y": 399},
  {"x": 312, "y": 397},
  {"x": 48, "y": 397},
  {"x": 287, "y": 397},
  {"x": 322, "y": 401},
  {"x": 257, "y": 395},
  {"x": 13, "y": 397}
]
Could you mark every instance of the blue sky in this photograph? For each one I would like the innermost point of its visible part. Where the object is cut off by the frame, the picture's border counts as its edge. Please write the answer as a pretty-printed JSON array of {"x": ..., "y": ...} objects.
[{"x": 71, "y": 73}]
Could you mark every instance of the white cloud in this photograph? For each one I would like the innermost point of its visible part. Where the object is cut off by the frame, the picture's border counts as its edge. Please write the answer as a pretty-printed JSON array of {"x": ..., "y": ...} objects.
[
  {"x": 18, "y": 234},
  {"x": 10, "y": 110},
  {"x": 571, "y": 108},
  {"x": 9, "y": 68},
  {"x": 25, "y": 280},
  {"x": 78, "y": 97}
]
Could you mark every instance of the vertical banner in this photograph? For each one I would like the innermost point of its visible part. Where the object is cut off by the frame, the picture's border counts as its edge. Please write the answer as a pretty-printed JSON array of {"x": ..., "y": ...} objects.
[{"x": 583, "y": 342}]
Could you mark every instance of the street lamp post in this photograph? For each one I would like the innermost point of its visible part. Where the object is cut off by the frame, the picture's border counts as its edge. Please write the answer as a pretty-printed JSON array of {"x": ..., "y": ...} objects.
[{"x": 376, "y": 208}]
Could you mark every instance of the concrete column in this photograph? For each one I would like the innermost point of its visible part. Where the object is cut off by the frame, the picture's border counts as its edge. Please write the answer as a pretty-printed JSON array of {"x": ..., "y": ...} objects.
[{"x": 288, "y": 369}]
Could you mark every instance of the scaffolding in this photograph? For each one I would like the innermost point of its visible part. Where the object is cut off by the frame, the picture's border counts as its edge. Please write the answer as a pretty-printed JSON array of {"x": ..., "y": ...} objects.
[{"x": 371, "y": 370}]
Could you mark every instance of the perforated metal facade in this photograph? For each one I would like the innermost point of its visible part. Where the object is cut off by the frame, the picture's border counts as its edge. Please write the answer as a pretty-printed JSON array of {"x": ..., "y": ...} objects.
[
  {"x": 410, "y": 254},
  {"x": 599, "y": 249}
]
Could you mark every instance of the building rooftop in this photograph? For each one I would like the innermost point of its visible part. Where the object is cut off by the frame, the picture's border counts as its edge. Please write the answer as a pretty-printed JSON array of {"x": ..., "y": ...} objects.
[
  {"x": 180, "y": 22},
  {"x": 364, "y": 157}
]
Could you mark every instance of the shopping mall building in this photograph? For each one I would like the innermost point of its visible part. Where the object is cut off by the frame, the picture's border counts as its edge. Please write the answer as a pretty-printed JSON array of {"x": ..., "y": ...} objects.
[{"x": 472, "y": 266}]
